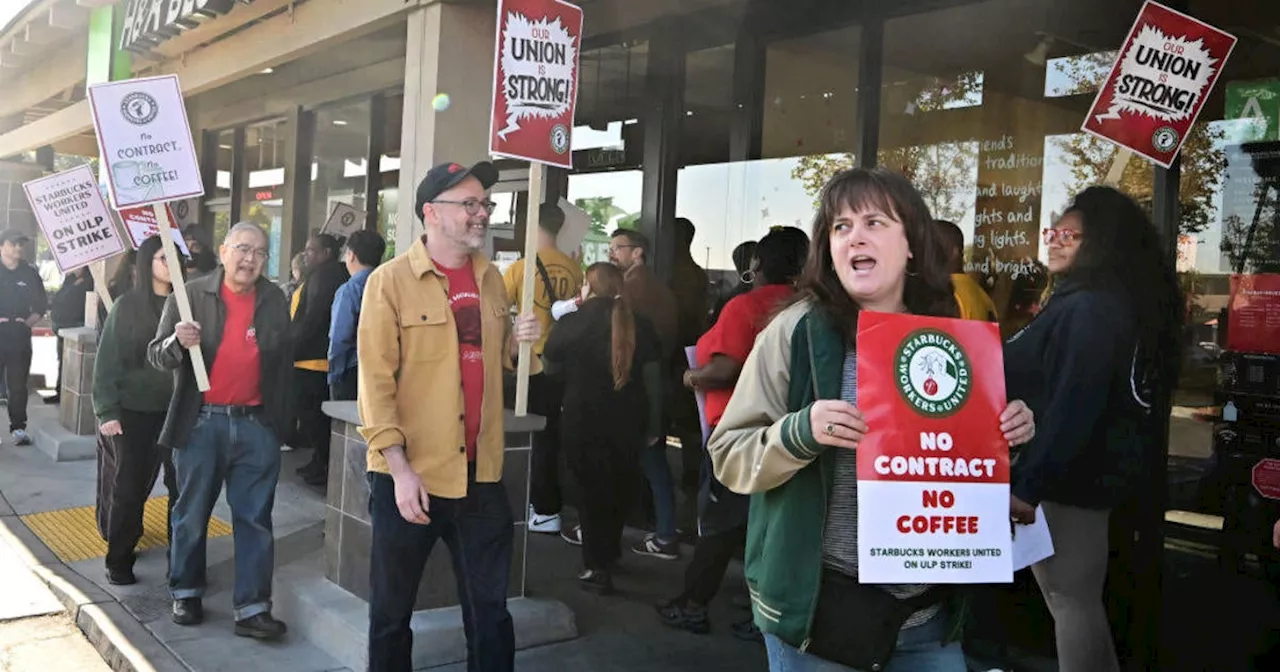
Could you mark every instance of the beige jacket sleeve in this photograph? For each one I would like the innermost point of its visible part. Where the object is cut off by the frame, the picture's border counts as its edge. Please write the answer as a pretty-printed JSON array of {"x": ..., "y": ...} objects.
[
  {"x": 758, "y": 445},
  {"x": 378, "y": 349}
]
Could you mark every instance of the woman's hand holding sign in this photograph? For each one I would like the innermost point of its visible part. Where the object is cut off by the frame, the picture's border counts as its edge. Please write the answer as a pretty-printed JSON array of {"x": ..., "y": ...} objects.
[
  {"x": 1018, "y": 423},
  {"x": 838, "y": 424}
]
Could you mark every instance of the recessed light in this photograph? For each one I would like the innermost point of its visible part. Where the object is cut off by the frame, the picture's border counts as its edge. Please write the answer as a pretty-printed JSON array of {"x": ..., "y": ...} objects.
[
  {"x": 227, "y": 147},
  {"x": 339, "y": 122},
  {"x": 266, "y": 71}
]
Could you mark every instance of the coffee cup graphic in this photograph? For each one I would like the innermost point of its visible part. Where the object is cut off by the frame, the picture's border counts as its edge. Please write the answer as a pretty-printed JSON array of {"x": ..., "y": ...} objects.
[{"x": 138, "y": 181}]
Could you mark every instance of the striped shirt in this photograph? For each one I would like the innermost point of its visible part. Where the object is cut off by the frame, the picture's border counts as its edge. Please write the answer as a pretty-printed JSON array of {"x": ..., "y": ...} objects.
[{"x": 840, "y": 539}]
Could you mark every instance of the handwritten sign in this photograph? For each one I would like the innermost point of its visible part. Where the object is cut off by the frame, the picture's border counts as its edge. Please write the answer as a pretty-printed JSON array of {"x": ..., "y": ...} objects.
[
  {"x": 74, "y": 218},
  {"x": 535, "y": 80},
  {"x": 1159, "y": 83},
  {"x": 141, "y": 224},
  {"x": 933, "y": 474},
  {"x": 1005, "y": 239},
  {"x": 145, "y": 142}
]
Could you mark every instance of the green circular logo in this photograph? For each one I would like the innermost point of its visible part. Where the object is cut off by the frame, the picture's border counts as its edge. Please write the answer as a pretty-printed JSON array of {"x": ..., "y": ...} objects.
[{"x": 932, "y": 373}]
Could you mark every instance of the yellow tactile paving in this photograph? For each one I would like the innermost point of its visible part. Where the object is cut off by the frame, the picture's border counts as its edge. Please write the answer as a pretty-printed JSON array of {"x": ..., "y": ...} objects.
[{"x": 72, "y": 534}]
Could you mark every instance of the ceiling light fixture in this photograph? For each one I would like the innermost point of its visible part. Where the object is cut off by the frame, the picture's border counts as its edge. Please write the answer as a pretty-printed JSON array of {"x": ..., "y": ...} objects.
[{"x": 339, "y": 122}]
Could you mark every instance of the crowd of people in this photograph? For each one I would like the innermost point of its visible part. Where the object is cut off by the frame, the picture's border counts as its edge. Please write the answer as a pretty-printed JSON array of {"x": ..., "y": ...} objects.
[{"x": 425, "y": 345}]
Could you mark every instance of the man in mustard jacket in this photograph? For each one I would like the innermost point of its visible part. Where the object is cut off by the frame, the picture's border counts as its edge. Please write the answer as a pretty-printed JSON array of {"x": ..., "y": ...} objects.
[{"x": 434, "y": 336}]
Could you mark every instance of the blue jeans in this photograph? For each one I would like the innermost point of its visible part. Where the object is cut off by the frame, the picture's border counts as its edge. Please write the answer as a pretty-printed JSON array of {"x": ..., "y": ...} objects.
[
  {"x": 653, "y": 460},
  {"x": 919, "y": 649},
  {"x": 245, "y": 454},
  {"x": 478, "y": 531}
]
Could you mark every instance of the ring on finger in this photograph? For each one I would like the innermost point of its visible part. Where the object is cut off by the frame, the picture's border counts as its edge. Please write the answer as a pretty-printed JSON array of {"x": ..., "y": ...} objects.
[{"x": 830, "y": 429}]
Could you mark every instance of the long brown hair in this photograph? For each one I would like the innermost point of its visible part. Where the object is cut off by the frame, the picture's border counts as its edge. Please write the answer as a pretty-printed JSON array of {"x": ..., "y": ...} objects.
[
  {"x": 606, "y": 283},
  {"x": 928, "y": 289}
]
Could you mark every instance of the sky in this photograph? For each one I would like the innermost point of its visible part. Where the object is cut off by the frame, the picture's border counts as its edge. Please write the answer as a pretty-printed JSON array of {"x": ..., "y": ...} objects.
[{"x": 10, "y": 9}]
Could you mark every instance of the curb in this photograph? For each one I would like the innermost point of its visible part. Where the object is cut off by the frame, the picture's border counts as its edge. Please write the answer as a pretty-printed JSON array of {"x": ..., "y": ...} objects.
[{"x": 125, "y": 644}]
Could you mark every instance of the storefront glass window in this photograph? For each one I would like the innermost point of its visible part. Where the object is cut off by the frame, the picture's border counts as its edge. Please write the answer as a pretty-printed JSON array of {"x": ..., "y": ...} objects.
[
  {"x": 262, "y": 194},
  {"x": 218, "y": 197},
  {"x": 389, "y": 164},
  {"x": 339, "y": 164}
]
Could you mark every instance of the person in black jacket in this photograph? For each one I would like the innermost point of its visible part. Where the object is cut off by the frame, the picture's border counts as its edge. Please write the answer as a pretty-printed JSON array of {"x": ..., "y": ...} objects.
[
  {"x": 23, "y": 302},
  {"x": 1091, "y": 364},
  {"x": 310, "y": 333},
  {"x": 611, "y": 362},
  {"x": 67, "y": 312}
]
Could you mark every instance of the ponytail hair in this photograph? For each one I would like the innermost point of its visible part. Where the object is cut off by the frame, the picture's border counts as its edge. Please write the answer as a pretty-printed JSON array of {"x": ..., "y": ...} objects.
[{"x": 605, "y": 281}]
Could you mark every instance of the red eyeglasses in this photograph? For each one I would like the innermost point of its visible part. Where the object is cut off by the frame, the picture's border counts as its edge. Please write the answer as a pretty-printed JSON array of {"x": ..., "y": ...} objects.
[{"x": 1061, "y": 236}]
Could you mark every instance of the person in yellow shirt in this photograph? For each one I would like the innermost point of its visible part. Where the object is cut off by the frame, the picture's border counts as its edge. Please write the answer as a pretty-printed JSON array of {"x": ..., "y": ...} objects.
[
  {"x": 975, "y": 303},
  {"x": 557, "y": 278}
]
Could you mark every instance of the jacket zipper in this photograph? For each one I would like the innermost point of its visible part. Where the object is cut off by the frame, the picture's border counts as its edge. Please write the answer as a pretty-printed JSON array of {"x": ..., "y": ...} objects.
[{"x": 822, "y": 469}]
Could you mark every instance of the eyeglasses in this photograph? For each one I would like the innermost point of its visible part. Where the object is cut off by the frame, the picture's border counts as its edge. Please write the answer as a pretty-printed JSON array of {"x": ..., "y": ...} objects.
[
  {"x": 473, "y": 206},
  {"x": 246, "y": 250},
  {"x": 1062, "y": 236}
]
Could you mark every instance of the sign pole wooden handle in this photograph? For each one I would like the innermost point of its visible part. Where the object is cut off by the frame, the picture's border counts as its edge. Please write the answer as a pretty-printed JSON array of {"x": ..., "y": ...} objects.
[
  {"x": 1118, "y": 163},
  {"x": 165, "y": 231},
  {"x": 536, "y": 172},
  {"x": 98, "y": 270}
]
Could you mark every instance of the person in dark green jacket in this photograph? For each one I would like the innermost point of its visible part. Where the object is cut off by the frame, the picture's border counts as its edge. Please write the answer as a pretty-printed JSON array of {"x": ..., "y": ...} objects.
[
  {"x": 130, "y": 400},
  {"x": 790, "y": 434}
]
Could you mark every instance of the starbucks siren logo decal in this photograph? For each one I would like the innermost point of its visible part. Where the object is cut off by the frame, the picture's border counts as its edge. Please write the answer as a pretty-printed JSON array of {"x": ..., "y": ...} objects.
[{"x": 932, "y": 373}]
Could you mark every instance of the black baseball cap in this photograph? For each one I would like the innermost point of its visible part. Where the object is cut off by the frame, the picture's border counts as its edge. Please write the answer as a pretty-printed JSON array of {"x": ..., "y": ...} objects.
[
  {"x": 16, "y": 236},
  {"x": 447, "y": 176}
]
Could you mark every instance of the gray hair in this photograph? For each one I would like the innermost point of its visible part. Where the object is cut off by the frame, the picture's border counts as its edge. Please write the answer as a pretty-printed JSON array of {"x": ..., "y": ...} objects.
[{"x": 246, "y": 226}]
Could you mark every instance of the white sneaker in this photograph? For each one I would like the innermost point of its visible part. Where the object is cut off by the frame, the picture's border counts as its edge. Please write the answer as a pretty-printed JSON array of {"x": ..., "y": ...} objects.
[
  {"x": 543, "y": 524},
  {"x": 20, "y": 438}
]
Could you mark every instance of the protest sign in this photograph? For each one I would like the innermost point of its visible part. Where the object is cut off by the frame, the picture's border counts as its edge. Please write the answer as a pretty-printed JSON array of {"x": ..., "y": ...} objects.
[
  {"x": 145, "y": 142},
  {"x": 343, "y": 221},
  {"x": 141, "y": 224},
  {"x": 74, "y": 218},
  {"x": 535, "y": 82},
  {"x": 1158, "y": 84},
  {"x": 933, "y": 472}
]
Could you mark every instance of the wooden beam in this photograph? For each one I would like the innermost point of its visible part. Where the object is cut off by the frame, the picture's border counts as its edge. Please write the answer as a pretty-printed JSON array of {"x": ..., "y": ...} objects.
[
  {"x": 208, "y": 29},
  {"x": 61, "y": 70}
]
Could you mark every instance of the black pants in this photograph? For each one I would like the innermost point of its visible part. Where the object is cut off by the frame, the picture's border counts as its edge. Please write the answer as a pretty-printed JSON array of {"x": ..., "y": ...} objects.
[
  {"x": 545, "y": 398},
  {"x": 313, "y": 425},
  {"x": 711, "y": 558},
  {"x": 127, "y": 469},
  {"x": 15, "y": 359},
  {"x": 607, "y": 478},
  {"x": 345, "y": 388},
  {"x": 478, "y": 531}
]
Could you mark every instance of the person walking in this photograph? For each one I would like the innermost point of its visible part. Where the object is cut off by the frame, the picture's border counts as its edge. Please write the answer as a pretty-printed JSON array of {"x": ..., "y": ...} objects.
[
  {"x": 629, "y": 250},
  {"x": 364, "y": 253},
  {"x": 434, "y": 336},
  {"x": 129, "y": 401},
  {"x": 558, "y": 278},
  {"x": 720, "y": 355},
  {"x": 66, "y": 311},
  {"x": 611, "y": 362},
  {"x": 229, "y": 434},
  {"x": 1092, "y": 363},
  {"x": 310, "y": 335},
  {"x": 23, "y": 302},
  {"x": 790, "y": 433}
]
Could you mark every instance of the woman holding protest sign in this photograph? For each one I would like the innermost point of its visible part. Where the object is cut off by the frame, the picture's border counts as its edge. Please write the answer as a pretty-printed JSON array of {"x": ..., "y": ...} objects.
[
  {"x": 130, "y": 400},
  {"x": 1092, "y": 363},
  {"x": 790, "y": 433}
]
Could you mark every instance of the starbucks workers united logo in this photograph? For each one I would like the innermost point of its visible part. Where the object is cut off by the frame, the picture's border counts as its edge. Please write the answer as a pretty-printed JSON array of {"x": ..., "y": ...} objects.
[{"x": 932, "y": 373}]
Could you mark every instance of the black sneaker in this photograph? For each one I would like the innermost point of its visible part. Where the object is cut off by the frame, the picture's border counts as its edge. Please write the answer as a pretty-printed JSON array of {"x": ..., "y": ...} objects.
[
  {"x": 652, "y": 546},
  {"x": 121, "y": 576},
  {"x": 261, "y": 626},
  {"x": 747, "y": 631},
  {"x": 685, "y": 616},
  {"x": 596, "y": 581},
  {"x": 188, "y": 611}
]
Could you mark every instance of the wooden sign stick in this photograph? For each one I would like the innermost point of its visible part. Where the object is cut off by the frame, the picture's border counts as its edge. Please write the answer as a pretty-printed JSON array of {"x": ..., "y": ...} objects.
[
  {"x": 536, "y": 173},
  {"x": 98, "y": 270},
  {"x": 165, "y": 231},
  {"x": 1118, "y": 163}
]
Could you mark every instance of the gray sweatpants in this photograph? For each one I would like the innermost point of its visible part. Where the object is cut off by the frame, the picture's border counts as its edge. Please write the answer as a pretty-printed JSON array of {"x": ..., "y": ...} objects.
[{"x": 1072, "y": 583}]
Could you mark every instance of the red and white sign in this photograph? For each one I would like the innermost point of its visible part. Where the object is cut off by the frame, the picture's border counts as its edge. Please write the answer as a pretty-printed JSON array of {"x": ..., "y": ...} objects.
[
  {"x": 1266, "y": 478},
  {"x": 1159, "y": 83},
  {"x": 1253, "y": 315},
  {"x": 933, "y": 472},
  {"x": 535, "y": 81},
  {"x": 141, "y": 224},
  {"x": 74, "y": 218}
]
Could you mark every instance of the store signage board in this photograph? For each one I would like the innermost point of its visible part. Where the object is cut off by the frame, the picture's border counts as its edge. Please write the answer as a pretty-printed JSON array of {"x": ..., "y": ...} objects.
[
  {"x": 1266, "y": 478},
  {"x": 147, "y": 23},
  {"x": 75, "y": 220},
  {"x": 1159, "y": 83},
  {"x": 141, "y": 224},
  {"x": 1253, "y": 314},
  {"x": 1255, "y": 108},
  {"x": 145, "y": 141},
  {"x": 535, "y": 75},
  {"x": 343, "y": 221},
  {"x": 933, "y": 474}
]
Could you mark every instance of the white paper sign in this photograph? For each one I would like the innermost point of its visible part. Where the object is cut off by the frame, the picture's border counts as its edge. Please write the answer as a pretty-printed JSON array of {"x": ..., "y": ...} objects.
[
  {"x": 1032, "y": 543},
  {"x": 74, "y": 218},
  {"x": 343, "y": 221},
  {"x": 145, "y": 141}
]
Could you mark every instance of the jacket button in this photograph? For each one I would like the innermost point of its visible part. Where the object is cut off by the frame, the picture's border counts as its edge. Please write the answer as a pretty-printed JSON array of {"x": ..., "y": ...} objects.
[
  {"x": 424, "y": 318},
  {"x": 462, "y": 449},
  {"x": 462, "y": 418}
]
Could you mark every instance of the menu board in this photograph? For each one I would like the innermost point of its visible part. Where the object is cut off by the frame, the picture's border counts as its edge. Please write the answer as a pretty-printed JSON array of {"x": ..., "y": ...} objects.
[
  {"x": 1253, "y": 322},
  {"x": 1006, "y": 228}
]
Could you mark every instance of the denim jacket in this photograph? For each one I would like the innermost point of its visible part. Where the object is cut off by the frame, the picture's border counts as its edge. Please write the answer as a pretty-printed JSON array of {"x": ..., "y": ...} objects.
[{"x": 345, "y": 317}]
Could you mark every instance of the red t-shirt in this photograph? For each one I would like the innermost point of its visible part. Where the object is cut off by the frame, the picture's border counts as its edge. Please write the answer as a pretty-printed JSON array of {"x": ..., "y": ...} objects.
[
  {"x": 464, "y": 299},
  {"x": 734, "y": 334},
  {"x": 236, "y": 377}
]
